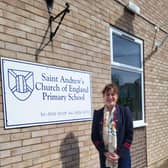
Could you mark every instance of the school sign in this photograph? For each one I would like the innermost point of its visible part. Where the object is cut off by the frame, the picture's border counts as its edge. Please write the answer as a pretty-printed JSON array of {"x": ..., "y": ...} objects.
[{"x": 38, "y": 94}]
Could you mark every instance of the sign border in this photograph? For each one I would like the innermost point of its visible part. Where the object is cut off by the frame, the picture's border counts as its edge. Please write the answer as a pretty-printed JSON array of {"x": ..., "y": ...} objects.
[{"x": 3, "y": 59}]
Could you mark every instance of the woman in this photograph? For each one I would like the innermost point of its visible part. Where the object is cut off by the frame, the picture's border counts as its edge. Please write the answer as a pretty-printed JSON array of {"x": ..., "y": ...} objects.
[{"x": 112, "y": 131}]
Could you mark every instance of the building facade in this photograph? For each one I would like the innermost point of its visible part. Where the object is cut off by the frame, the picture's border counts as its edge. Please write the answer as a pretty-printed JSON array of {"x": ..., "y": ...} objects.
[{"x": 108, "y": 40}]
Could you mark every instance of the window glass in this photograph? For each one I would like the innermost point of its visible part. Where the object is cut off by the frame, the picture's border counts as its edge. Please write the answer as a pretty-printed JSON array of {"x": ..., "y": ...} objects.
[
  {"x": 127, "y": 72},
  {"x": 126, "y": 51},
  {"x": 129, "y": 84}
]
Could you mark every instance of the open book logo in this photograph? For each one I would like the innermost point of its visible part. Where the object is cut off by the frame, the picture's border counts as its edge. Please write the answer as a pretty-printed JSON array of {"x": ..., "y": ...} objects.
[{"x": 21, "y": 83}]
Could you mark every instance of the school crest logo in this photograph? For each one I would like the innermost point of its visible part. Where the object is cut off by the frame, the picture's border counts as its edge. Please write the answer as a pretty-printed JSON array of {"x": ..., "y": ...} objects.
[{"x": 21, "y": 83}]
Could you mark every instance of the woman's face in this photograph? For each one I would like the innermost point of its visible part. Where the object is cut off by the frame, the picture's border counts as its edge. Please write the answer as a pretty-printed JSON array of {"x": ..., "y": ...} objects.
[{"x": 110, "y": 98}]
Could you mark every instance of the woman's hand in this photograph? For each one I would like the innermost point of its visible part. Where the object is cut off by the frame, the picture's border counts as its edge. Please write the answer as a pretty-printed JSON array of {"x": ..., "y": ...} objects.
[{"x": 112, "y": 157}]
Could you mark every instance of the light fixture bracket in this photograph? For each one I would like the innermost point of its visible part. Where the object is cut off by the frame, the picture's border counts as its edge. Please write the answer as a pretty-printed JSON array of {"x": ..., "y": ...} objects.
[{"x": 53, "y": 18}]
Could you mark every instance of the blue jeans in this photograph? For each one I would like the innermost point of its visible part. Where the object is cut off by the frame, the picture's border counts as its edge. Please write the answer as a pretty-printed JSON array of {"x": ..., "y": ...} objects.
[
  {"x": 122, "y": 163},
  {"x": 125, "y": 162}
]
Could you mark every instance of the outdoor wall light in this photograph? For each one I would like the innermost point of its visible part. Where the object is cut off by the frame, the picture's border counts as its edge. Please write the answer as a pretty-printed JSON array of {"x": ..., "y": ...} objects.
[
  {"x": 133, "y": 7},
  {"x": 53, "y": 18},
  {"x": 49, "y": 5},
  {"x": 158, "y": 44},
  {"x": 49, "y": 30}
]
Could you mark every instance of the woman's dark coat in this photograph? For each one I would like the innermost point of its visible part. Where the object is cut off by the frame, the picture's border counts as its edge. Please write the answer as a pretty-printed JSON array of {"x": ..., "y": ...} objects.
[{"x": 124, "y": 132}]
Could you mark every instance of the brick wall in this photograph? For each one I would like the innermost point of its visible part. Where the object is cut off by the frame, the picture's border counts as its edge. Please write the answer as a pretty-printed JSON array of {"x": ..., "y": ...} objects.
[
  {"x": 138, "y": 149},
  {"x": 83, "y": 43}
]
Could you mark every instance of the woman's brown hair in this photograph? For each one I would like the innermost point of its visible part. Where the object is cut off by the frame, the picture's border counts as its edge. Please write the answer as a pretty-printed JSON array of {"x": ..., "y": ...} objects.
[{"x": 109, "y": 87}]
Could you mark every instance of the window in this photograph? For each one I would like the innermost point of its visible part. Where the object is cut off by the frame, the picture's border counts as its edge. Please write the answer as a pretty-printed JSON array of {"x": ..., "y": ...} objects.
[{"x": 127, "y": 72}]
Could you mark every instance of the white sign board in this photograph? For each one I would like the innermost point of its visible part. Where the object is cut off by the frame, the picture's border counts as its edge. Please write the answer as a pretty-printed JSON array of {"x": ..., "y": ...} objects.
[{"x": 37, "y": 94}]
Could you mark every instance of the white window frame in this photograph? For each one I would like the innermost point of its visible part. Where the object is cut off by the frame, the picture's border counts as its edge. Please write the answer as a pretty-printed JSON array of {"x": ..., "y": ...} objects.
[{"x": 120, "y": 66}]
